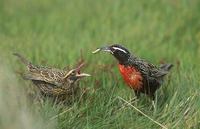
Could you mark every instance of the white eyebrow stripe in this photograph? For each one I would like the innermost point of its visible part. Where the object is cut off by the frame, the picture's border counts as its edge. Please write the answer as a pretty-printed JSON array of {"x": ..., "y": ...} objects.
[{"x": 116, "y": 48}]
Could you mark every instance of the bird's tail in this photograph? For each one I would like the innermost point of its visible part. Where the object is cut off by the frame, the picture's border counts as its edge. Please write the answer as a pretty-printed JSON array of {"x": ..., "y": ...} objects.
[
  {"x": 166, "y": 67},
  {"x": 22, "y": 59}
]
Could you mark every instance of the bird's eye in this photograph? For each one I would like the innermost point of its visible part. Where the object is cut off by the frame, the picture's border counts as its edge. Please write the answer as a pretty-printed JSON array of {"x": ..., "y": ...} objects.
[{"x": 73, "y": 72}]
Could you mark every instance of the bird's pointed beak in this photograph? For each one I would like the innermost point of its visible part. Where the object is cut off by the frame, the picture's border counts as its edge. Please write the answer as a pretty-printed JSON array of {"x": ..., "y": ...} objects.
[
  {"x": 77, "y": 71},
  {"x": 105, "y": 49},
  {"x": 81, "y": 75}
]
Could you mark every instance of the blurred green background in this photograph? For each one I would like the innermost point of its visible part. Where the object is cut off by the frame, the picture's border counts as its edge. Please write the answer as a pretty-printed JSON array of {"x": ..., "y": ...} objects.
[{"x": 55, "y": 33}]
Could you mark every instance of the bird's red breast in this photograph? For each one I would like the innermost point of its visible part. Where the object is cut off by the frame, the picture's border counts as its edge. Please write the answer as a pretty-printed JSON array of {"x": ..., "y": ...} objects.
[{"x": 131, "y": 76}]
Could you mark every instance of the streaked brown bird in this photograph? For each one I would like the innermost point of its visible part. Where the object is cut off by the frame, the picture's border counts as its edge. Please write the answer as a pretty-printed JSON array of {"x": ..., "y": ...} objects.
[
  {"x": 140, "y": 75},
  {"x": 60, "y": 84}
]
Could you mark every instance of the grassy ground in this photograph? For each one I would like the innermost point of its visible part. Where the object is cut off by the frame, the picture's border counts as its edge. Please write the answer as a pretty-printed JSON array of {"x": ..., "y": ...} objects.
[{"x": 55, "y": 32}]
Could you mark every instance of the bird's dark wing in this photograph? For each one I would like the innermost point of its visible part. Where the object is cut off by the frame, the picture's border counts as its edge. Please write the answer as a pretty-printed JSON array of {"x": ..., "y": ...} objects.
[
  {"x": 148, "y": 69},
  {"x": 143, "y": 66}
]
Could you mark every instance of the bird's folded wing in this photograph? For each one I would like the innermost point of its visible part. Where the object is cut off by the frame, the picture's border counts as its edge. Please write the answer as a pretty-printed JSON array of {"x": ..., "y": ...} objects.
[{"x": 46, "y": 75}]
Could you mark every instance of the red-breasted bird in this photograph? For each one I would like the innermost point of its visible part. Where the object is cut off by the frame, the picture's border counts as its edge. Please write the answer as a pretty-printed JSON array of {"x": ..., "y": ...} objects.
[
  {"x": 57, "y": 83},
  {"x": 138, "y": 74}
]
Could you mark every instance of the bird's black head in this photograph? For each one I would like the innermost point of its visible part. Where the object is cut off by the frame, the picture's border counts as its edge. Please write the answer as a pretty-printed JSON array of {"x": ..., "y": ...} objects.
[{"x": 119, "y": 52}]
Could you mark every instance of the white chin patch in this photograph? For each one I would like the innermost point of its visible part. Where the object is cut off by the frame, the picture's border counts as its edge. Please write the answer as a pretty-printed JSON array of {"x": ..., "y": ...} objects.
[{"x": 117, "y": 48}]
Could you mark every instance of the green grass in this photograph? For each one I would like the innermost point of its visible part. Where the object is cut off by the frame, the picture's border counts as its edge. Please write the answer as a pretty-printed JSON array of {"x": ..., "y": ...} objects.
[{"x": 55, "y": 32}]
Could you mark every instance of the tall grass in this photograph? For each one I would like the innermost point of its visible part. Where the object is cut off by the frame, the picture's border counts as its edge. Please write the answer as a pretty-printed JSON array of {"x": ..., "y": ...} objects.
[{"x": 55, "y": 32}]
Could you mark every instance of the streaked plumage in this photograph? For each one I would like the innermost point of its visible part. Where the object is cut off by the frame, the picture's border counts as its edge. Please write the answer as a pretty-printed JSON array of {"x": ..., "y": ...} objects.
[{"x": 56, "y": 83}]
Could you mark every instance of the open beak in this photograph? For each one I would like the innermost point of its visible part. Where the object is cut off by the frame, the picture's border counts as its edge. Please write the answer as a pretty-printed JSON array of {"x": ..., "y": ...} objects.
[
  {"x": 105, "y": 49},
  {"x": 80, "y": 75},
  {"x": 77, "y": 71},
  {"x": 83, "y": 75}
]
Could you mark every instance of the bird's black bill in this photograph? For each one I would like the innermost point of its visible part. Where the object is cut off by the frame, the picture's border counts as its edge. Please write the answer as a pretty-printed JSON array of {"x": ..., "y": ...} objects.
[{"x": 105, "y": 49}]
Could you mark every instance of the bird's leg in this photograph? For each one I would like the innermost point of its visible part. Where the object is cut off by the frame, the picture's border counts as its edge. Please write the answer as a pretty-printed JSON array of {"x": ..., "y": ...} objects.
[
  {"x": 152, "y": 96},
  {"x": 137, "y": 94}
]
